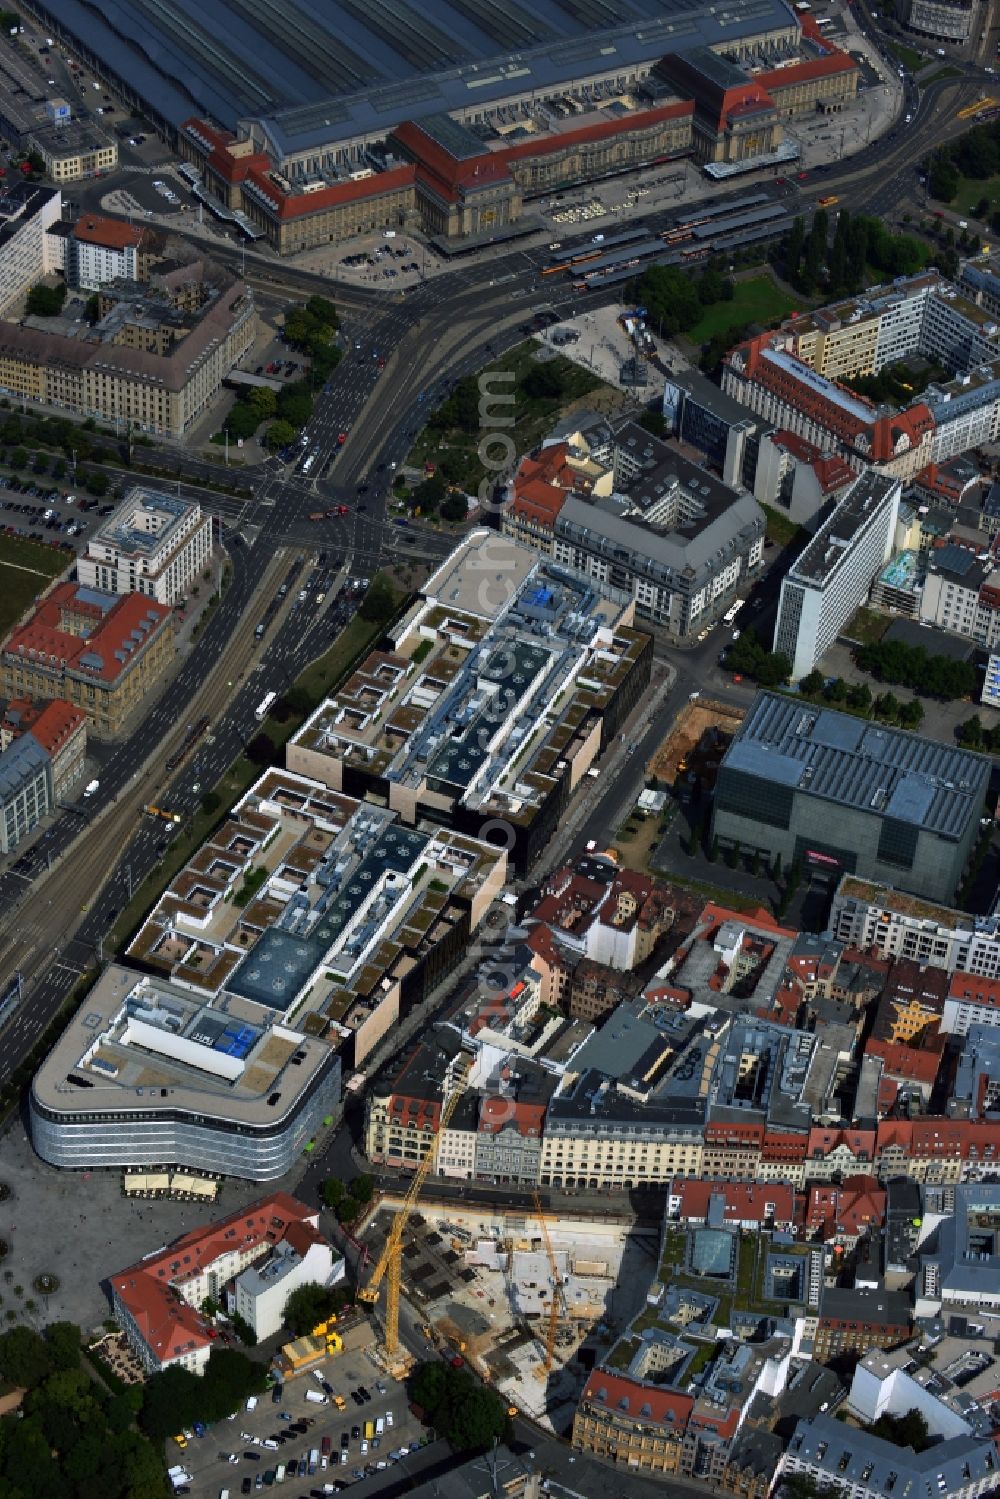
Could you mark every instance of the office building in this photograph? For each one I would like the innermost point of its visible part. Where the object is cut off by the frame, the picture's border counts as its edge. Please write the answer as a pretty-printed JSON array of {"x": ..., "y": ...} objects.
[
  {"x": 825, "y": 585},
  {"x": 857, "y": 1465},
  {"x": 155, "y": 359},
  {"x": 835, "y": 795},
  {"x": 158, "y": 1301},
  {"x": 944, "y": 20},
  {"x": 702, "y": 415},
  {"x": 672, "y": 540},
  {"x": 103, "y": 250},
  {"x": 154, "y": 544},
  {"x": 102, "y": 653},
  {"x": 893, "y": 924},
  {"x": 28, "y": 252},
  {"x": 961, "y": 593},
  {"x": 493, "y": 701}
]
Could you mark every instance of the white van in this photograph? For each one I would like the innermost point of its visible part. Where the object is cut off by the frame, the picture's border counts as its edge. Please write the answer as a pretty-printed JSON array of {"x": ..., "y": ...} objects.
[
  {"x": 379, "y": 1426},
  {"x": 315, "y": 1397}
]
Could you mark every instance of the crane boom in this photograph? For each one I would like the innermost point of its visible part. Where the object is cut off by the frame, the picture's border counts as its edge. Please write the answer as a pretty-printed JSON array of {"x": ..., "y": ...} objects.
[
  {"x": 389, "y": 1262},
  {"x": 554, "y": 1308}
]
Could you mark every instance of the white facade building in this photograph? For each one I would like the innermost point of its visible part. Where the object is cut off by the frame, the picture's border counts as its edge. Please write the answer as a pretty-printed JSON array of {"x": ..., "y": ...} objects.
[
  {"x": 896, "y": 925},
  {"x": 27, "y": 250},
  {"x": 832, "y": 577},
  {"x": 261, "y": 1292},
  {"x": 154, "y": 544},
  {"x": 103, "y": 250}
]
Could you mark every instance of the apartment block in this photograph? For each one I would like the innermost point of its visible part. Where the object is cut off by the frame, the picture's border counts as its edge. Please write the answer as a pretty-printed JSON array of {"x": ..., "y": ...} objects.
[
  {"x": 104, "y": 250},
  {"x": 893, "y": 924},
  {"x": 154, "y": 544},
  {"x": 27, "y": 250},
  {"x": 825, "y": 585}
]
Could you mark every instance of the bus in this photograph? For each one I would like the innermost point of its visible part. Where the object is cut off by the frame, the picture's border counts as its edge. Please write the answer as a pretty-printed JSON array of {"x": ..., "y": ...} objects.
[
  {"x": 822, "y": 21},
  {"x": 265, "y": 705},
  {"x": 732, "y": 612}
]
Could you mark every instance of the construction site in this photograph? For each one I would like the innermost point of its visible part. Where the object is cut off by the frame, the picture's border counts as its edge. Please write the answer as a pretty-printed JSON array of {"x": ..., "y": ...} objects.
[
  {"x": 696, "y": 743},
  {"x": 530, "y": 1302}
]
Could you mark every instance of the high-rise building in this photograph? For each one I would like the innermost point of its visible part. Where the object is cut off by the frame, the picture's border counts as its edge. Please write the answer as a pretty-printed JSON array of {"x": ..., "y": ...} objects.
[{"x": 831, "y": 578}]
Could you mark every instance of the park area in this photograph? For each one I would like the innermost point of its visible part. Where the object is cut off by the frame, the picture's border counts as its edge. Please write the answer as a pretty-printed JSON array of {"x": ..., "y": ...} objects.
[
  {"x": 759, "y": 299},
  {"x": 26, "y": 570}
]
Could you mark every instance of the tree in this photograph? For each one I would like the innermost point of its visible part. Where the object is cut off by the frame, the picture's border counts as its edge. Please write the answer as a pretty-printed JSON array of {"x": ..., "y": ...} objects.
[
  {"x": 63, "y": 1340},
  {"x": 244, "y": 1331},
  {"x": 465, "y": 1412},
  {"x": 92, "y": 308},
  {"x": 96, "y": 482},
  {"x": 46, "y": 301},
  {"x": 543, "y": 382},
  {"x": 323, "y": 310},
  {"x": 655, "y": 422},
  {"x": 333, "y": 1192},
  {"x": 363, "y": 1187},
  {"x": 811, "y": 684},
  {"x": 18, "y": 458},
  {"x": 263, "y": 401},
  {"x": 242, "y": 421},
  {"x": 429, "y": 493},
  {"x": 25, "y": 1358},
  {"x": 279, "y": 435},
  {"x": 308, "y": 1306},
  {"x": 379, "y": 602},
  {"x": 454, "y": 506},
  {"x": 210, "y": 803},
  {"x": 261, "y": 751},
  {"x": 295, "y": 403}
]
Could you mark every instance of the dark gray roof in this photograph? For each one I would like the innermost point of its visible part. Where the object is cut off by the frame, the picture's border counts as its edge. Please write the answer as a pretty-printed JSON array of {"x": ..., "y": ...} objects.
[
  {"x": 338, "y": 67},
  {"x": 831, "y": 546},
  {"x": 848, "y": 1455},
  {"x": 852, "y": 763},
  {"x": 19, "y": 765},
  {"x": 877, "y": 1308},
  {"x": 701, "y": 391}
]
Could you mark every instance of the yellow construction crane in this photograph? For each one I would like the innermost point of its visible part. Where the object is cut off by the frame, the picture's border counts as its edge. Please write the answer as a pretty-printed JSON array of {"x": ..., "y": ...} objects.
[
  {"x": 390, "y": 1261},
  {"x": 554, "y": 1306}
]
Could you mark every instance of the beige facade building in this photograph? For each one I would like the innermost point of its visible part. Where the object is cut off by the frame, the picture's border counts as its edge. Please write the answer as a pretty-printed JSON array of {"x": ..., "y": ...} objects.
[
  {"x": 155, "y": 360},
  {"x": 154, "y": 543}
]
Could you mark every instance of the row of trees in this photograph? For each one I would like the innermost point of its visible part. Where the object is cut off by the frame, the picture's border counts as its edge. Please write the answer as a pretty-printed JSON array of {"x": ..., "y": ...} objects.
[
  {"x": 175, "y": 1397},
  {"x": 914, "y": 667},
  {"x": 816, "y": 262},
  {"x": 71, "y": 1437},
  {"x": 287, "y": 409},
  {"x": 348, "y": 1202},
  {"x": 858, "y": 697},
  {"x": 974, "y": 735},
  {"x": 751, "y": 658},
  {"x": 462, "y": 1410}
]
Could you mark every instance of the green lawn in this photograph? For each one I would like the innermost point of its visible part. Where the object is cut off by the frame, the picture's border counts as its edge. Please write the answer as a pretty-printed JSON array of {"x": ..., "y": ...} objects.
[
  {"x": 909, "y": 56},
  {"x": 867, "y": 626},
  {"x": 970, "y": 190},
  {"x": 756, "y": 300},
  {"x": 780, "y": 528},
  {"x": 26, "y": 568},
  {"x": 940, "y": 74}
]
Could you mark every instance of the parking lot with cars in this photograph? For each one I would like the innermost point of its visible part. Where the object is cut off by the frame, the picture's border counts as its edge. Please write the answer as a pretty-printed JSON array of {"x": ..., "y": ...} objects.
[
  {"x": 50, "y": 514},
  {"x": 325, "y": 1431}
]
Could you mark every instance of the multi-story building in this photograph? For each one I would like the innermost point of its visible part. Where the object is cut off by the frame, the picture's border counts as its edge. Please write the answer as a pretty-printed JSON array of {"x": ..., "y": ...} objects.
[
  {"x": 673, "y": 541},
  {"x": 27, "y": 250},
  {"x": 945, "y": 20},
  {"x": 25, "y": 790},
  {"x": 874, "y": 916},
  {"x": 103, "y": 250},
  {"x": 701, "y": 414},
  {"x": 59, "y": 729},
  {"x": 492, "y": 703},
  {"x": 158, "y": 1302},
  {"x": 832, "y": 577},
  {"x": 541, "y": 484},
  {"x": 154, "y": 544},
  {"x": 155, "y": 360},
  {"x": 853, "y": 1463},
  {"x": 73, "y": 148},
  {"x": 852, "y": 1321},
  {"x": 907, "y": 808},
  {"x": 634, "y": 1424},
  {"x": 961, "y": 594},
  {"x": 101, "y": 652}
]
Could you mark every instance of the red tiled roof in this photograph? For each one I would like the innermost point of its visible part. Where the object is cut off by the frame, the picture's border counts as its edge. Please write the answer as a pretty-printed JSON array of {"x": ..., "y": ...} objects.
[
  {"x": 168, "y": 1325},
  {"x": 497, "y": 1113},
  {"x": 734, "y": 1134},
  {"x": 858, "y": 1203},
  {"x": 295, "y": 206},
  {"x": 94, "y": 229},
  {"x": 620, "y": 1395},
  {"x": 57, "y": 722},
  {"x": 970, "y": 988},
  {"x": 804, "y": 72},
  {"x": 917, "y": 1065},
  {"x": 859, "y": 1141},
  {"x": 744, "y": 1201},
  {"x": 43, "y": 642}
]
